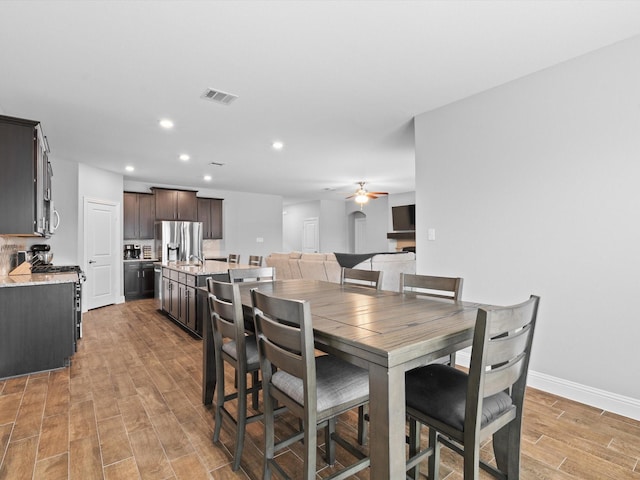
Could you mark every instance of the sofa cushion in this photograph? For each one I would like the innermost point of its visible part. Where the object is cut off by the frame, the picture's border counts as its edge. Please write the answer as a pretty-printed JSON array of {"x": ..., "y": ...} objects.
[
  {"x": 313, "y": 257},
  {"x": 312, "y": 269}
]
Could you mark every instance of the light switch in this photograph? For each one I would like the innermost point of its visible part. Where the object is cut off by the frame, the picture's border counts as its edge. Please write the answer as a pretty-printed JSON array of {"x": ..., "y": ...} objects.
[
  {"x": 431, "y": 234},
  {"x": 259, "y": 240}
]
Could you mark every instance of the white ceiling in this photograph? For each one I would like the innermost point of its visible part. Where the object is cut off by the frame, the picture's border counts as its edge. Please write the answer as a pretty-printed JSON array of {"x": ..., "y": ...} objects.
[{"x": 337, "y": 81}]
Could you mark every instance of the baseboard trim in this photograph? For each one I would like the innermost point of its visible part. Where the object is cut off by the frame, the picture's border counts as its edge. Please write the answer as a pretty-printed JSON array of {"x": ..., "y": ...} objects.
[{"x": 612, "y": 402}]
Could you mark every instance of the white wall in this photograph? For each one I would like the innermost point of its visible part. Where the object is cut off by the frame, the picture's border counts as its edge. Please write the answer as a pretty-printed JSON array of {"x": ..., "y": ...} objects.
[
  {"x": 333, "y": 226},
  {"x": 532, "y": 188},
  {"x": 246, "y": 217},
  {"x": 64, "y": 188},
  {"x": 293, "y": 218}
]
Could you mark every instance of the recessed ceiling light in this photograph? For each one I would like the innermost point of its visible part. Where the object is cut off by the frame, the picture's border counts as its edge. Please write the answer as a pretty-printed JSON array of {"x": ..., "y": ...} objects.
[
  {"x": 184, "y": 157},
  {"x": 129, "y": 168},
  {"x": 277, "y": 145},
  {"x": 166, "y": 123},
  {"x": 207, "y": 178}
]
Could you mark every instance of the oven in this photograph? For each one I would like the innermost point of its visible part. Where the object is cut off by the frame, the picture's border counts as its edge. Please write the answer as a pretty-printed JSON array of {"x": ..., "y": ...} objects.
[{"x": 54, "y": 269}]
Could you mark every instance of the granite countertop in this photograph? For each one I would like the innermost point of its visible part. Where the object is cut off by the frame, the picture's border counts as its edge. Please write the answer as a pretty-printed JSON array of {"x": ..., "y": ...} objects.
[
  {"x": 37, "y": 279},
  {"x": 209, "y": 267}
]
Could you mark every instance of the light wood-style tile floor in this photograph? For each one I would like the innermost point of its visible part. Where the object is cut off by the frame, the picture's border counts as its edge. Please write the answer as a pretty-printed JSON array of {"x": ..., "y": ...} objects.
[{"x": 130, "y": 407}]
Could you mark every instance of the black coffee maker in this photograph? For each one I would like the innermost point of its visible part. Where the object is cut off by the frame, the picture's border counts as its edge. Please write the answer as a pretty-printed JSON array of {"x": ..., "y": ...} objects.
[
  {"x": 131, "y": 251},
  {"x": 128, "y": 251}
]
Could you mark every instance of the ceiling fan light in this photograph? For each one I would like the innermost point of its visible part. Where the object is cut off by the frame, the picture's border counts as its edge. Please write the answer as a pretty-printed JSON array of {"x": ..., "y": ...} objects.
[{"x": 361, "y": 198}]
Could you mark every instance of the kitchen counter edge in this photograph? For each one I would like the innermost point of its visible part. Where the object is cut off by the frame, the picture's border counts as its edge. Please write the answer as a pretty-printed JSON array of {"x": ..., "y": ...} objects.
[{"x": 37, "y": 279}]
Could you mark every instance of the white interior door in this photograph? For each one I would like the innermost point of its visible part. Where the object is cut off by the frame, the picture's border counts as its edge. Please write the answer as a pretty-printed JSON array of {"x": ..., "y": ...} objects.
[
  {"x": 101, "y": 254},
  {"x": 310, "y": 235}
]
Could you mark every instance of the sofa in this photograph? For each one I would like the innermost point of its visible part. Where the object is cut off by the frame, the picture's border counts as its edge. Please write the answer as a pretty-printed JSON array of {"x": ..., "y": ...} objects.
[{"x": 325, "y": 266}]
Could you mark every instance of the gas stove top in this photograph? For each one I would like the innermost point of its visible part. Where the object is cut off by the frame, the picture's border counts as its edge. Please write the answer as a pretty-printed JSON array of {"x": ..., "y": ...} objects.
[{"x": 48, "y": 268}]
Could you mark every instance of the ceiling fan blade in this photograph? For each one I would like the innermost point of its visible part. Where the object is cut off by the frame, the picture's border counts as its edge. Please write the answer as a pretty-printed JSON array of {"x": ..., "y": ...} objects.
[
  {"x": 371, "y": 195},
  {"x": 351, "y": 196},
  {"x": 380, "y": 193}
]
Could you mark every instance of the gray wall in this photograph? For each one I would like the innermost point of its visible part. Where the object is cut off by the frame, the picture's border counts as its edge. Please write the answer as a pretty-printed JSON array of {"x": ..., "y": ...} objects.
[{"x": 532, "y": 187}]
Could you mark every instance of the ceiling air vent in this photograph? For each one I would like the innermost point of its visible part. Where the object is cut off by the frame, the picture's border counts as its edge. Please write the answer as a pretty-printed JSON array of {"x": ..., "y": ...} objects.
[
  {"x": 216, "y": 164},
  {"x": 218, "y": 96}
]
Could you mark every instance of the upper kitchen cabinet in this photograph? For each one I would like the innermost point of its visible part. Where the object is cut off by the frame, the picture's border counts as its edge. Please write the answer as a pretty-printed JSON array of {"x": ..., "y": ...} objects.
[
  {"x": 25, "y": 183},
  {"x": 210, "y": 214},
  {"x": 176, "y": 204},
  {"x": 139, "y": 215}
]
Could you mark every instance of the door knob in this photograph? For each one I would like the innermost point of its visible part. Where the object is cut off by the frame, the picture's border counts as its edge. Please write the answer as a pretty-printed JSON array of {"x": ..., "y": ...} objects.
[{"x": 92, "y": 261}]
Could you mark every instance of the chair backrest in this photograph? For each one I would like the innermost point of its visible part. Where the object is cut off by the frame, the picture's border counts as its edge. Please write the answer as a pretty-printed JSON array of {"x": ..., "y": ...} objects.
[
  {"x": 233, "y": 258},
  {"x": 255, "y": 260},
  {"x": 227, "y": 321},
  {"x": 500, "y": 356},
  {"x": 261, "y": 274},
  {"x": 366, "y": 278},
  {"x": 441, "y": 287},
  {"x": 285, "y": 340}
]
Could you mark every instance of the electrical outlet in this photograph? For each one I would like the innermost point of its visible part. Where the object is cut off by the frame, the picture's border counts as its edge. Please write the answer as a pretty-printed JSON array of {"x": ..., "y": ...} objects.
[
  {"x": 431, "y": 234},
  {"x": 259, "y": 240}
]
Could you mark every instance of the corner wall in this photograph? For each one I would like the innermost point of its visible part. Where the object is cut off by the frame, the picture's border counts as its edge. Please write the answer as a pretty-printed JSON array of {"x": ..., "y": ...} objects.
[{"x": 532, "y": 188}]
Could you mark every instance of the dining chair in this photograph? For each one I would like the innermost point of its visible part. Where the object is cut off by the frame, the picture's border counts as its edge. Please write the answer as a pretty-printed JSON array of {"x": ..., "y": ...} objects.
[
  {"x": 366, "y": 278},
  {"x": 260, "y": 274},
  {"x": 233, "y": 346},
  {"x": 233, "y": 258},
  {"x": 428, "y": 285},
  {"x": 255, "y": 260},
  {"x": 461, "y": 410},
  {"x": 314, "y": 389},
  {"x": 449, "y": 288}
]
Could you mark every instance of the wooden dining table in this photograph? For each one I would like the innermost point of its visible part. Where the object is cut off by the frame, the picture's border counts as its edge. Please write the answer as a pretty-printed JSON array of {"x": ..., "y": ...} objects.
[{"x": 387, "y": 333}]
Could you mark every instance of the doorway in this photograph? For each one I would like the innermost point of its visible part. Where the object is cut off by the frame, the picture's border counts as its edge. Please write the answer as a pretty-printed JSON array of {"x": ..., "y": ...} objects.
[
  {"x": 310, "y": 235},
  {"x": 357, "y": 232},
  {"x": 101, "y": 233}
]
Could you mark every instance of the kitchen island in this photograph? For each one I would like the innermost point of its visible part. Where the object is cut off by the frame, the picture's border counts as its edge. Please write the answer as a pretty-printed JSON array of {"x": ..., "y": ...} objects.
[
  {"x": 37, "y": 322},
  {"x": 182, "y": 298}
]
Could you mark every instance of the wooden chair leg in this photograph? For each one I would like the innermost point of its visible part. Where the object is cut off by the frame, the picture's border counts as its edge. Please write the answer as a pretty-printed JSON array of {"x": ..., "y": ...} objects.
[
  {"x": 506, "y": 448},
  {"x": 414, "y": 447},
  {"x": 269, "y": 435},
  {"x": 241, "y": 422},
  {"x": 363, "y": 426},
  {"x": 329, "y": 444},
  {"x": 218, "y": 402},
  {"x": 254, "y": 385},
  {"x": 310, "y": 449},
  {"x": 452, "y": 359},
  {"x": 434, "y": 460},
  {"x": 471, "y": 459}
]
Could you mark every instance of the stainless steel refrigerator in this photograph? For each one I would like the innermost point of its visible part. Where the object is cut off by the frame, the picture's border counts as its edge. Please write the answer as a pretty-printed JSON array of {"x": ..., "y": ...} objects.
[{"x": 178, "y": 241}]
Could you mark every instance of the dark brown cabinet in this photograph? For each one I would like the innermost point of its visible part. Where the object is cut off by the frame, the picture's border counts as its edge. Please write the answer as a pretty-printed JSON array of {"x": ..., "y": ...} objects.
[
  {"x": 183, "y": 300},
  {"x": 187, "y": 313},
  {"x": 139, "y": 215},
  {"x": 25, "y": 182},
  {"x": 175, "y": 204},
  {"x": 37, "y": 327},
  {"x": 210, "y": 214},
  {"x": 138, "y": 280}
]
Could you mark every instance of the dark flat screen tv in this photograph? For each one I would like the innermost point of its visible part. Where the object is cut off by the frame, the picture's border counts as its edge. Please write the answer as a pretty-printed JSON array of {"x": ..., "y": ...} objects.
[{"x": 403, "y": 217}]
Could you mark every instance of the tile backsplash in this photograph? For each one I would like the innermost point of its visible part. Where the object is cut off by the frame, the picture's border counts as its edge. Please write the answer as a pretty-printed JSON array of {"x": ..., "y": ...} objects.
[{"x": 9, "y": 247}]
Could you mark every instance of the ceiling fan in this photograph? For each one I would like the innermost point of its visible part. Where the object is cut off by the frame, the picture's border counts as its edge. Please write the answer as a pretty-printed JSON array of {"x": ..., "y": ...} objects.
[{"x": 362, "y": 195}]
